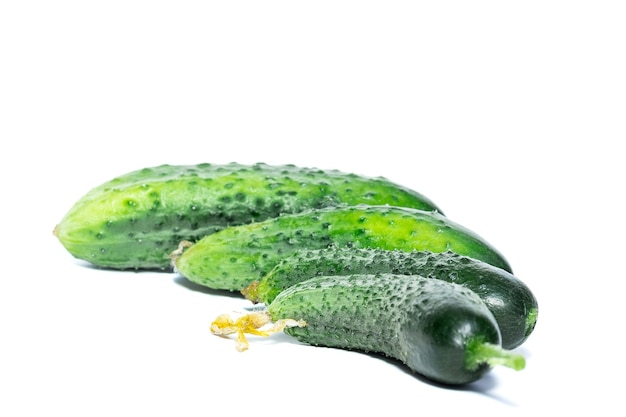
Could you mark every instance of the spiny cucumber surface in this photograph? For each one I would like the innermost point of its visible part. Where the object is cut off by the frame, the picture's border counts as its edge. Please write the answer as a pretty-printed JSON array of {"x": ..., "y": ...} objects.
[
  {"x": 509, "y": 299},
  {"x": 136, "y": 220},
  {"x": 438, "y": 329},
  {"x": 234, "y": 257}
]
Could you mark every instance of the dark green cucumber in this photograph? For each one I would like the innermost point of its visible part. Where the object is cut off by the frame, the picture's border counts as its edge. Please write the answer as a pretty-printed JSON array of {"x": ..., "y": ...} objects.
[
  {"x": 234, "y": 257},
  {"x": 510, "y": 301},
  {"x": 138, "y": 219},
  {"x": 438, "y": 329}
]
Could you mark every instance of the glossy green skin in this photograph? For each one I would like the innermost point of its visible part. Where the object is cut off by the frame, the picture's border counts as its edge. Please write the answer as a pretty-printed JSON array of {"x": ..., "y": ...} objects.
[
  {"x": 233, "y": 258},
  {"x": 510, "y": 301},
  {"x": 138, "y": 219},
  {"x": 424, "y": 323}
]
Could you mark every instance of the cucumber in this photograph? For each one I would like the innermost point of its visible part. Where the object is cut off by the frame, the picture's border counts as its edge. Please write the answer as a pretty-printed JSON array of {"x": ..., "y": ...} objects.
[
  {"x": 233, "y": 258},
  {"x": 440, "y": 330},
  {"x": 511, "y": 302},
  {"x": 136, "y": 220}
]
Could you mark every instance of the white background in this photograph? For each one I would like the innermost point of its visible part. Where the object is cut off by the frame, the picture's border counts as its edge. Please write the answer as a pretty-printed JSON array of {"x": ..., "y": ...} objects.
[{"x": 509, "y": 115}]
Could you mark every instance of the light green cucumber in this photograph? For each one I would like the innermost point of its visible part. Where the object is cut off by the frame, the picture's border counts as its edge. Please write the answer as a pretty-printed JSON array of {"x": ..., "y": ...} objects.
[
  {"x": 234, "y": 257},
  {"x": 509, "y": 299},
  {"x": 136, "y": 220}
]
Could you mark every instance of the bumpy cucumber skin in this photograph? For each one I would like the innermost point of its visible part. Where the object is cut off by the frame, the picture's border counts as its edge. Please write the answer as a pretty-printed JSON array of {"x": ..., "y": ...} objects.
[
  {"x": 136, "y": 220},
  {"x": 233, "y": 258},
  {"x": 509, "y": 299},
  {"x": 424, "y": 323}
]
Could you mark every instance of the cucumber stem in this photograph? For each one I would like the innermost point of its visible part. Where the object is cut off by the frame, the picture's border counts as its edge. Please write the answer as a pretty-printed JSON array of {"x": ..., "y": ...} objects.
[{"x": 478, "y": 352}]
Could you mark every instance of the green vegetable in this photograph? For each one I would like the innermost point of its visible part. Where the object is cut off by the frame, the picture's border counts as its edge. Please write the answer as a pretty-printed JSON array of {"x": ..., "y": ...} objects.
[
  {"x": 138, "y": 219},
  {"x": 438, "y": 329},
  {"x": 234, "y": 257},
  {"x": 510, "y": 301}
]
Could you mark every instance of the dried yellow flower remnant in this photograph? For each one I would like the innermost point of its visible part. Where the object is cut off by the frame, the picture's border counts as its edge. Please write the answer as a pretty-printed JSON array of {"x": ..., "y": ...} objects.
[{"x": 258, "y": 324}]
